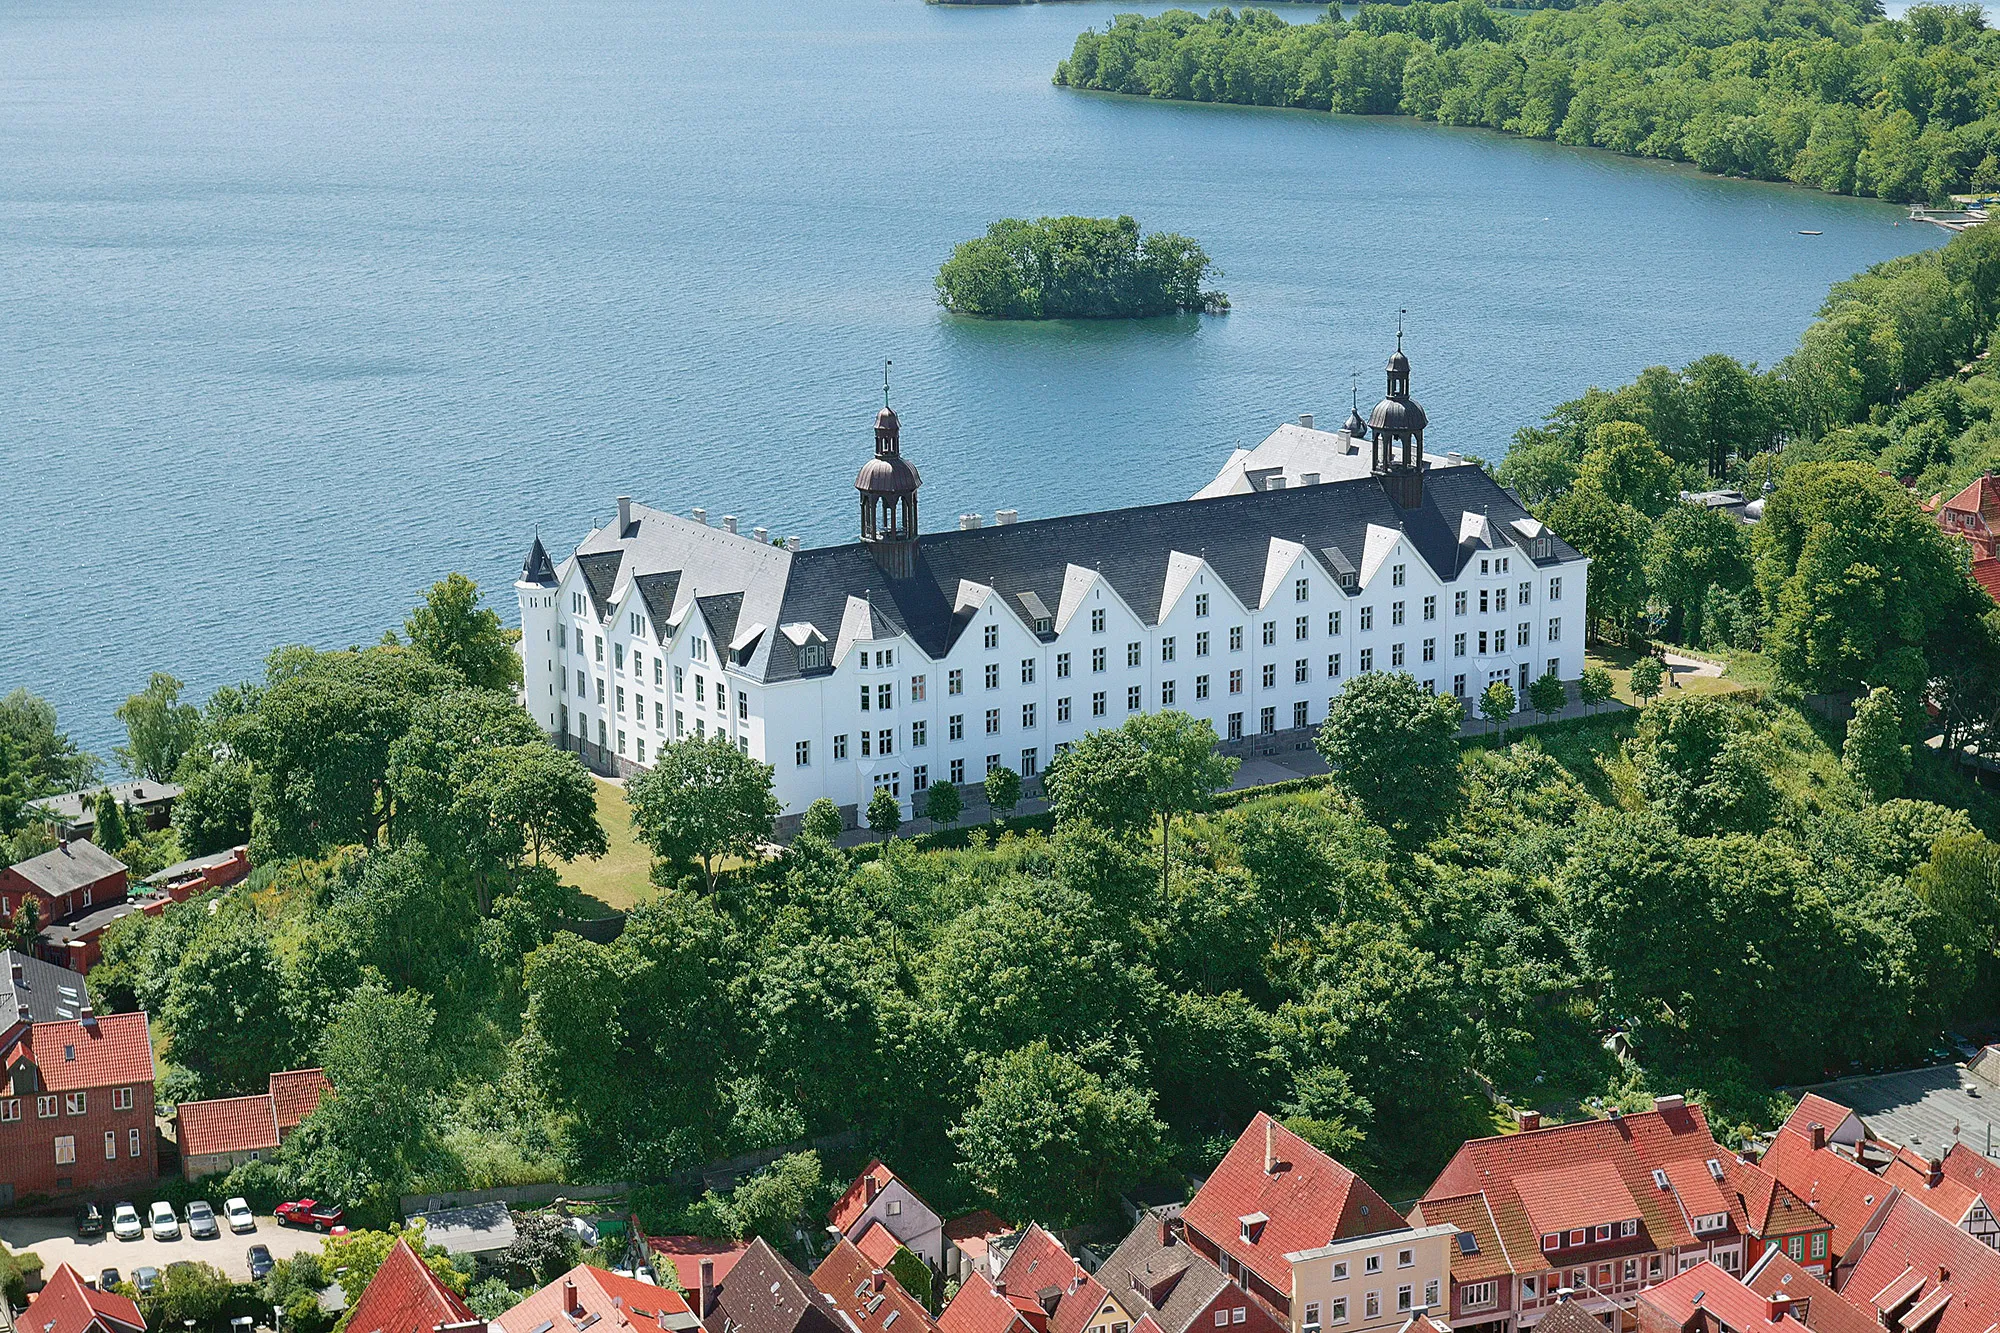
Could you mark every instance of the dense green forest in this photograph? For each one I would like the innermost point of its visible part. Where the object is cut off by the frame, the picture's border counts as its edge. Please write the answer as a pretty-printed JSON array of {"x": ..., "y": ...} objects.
[
  {"x": 1822, "y": 92},
  {"x": 1076, "y": 268}
]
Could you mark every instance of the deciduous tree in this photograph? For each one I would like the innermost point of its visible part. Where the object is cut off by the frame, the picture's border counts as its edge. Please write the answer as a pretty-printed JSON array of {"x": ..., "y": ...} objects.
[
  {"x": 704, "y": 800},
  {"x": 1394, "y": 749},
  {"x": 159, "y": 729},
  {"x": 1153, "y": 768},
  {"x": 454, "y": 630},
  {"x": 885, "y": 814},
  {"x": 1875, "y": 755},
  {"x": 943, "y": 804}
]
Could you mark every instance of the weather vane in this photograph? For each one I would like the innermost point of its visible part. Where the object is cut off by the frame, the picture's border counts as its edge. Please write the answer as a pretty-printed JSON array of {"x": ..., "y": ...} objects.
[
  {"x": 1399, "y": 328},
  {"x": 886, "y": 363},
  {"x": 1354, "y": 385}
]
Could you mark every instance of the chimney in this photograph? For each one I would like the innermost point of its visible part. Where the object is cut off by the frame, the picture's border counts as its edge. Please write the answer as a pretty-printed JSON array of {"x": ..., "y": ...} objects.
[
  {"x": 729, "y": 522},
  {"x": 878, "y": 1279},
  {"x": 1270, "y": 1147},
  {"x": 869, "y": 1187},
  {"x": 792, "y": 544},
  {"x": 18, "y": 978},
  {"x": 1528, "y": 1120},
  {"x": 1671, "y": 1101},
  {"x": 763, "y": 536},
  {"x": 1166, "y": 1230},
  {"x": 700, "y": 516},
  {"x": 1818, "y": 1135},
  {"x": 624, "y": 513},
  {"x": 1006, "y": 516},
  {"x": 706, "y": 1294},
  {"x": 999, "y": 1286},
  {"x": 1776, "y": 1306},
  {"x": 1934, "y": 1173},
  {"x": 1309, "y": 479},
  {"x": 89, "y": 1016},
  {"x": 62, "y": 843},
  {"x": 1306, "y": 420},
  {"x": 571, "y": 1304},
  {"x": 1049, "y": 1298},
  {"x": 971, "y": 521}
]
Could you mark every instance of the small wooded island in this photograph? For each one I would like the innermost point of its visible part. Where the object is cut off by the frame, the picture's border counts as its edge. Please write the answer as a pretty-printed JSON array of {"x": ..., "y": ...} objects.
[{"x": 1076, "y": 268}]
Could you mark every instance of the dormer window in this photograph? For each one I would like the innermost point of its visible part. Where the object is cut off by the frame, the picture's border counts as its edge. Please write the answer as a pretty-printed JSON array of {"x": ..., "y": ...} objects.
[
  {"x": 1659, "y": 1178},
  {"x": 1578, "y": 1235},
  {"x": 1544, "y": 548},
  {"x": 1045, "y": 625},
  {"x": 1251, "y": 1226},
  {"x": 812, "y": 656},
  {"x": 1552, "y": 1241}
]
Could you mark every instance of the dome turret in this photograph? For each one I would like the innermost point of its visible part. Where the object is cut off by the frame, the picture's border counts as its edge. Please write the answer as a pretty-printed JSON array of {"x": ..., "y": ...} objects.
[
  {"x": 888, "y": 484},
  {"x": 1397, "y": 426}
]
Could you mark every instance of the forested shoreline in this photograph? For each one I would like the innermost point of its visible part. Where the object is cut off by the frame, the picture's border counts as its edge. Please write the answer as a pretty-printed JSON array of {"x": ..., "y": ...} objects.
[{"x": 1823, "y": 93}]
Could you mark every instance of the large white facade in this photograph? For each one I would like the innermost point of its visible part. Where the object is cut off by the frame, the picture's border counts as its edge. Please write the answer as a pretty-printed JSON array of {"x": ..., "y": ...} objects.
[{"x": 1011, "y": 641}]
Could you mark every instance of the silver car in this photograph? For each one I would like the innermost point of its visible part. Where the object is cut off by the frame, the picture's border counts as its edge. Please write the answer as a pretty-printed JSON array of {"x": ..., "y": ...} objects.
[{"x": 163, "y": 1222}]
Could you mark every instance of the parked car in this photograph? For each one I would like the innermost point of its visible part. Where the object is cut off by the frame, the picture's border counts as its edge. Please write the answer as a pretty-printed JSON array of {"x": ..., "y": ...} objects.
[
  {"x": 201, "y": 1221},
  {"x": 146, "y": 1281},
  {"x": 108, "y": 1279},
  {"x": 125, "y": 1223},
  {"x": 261, "y": 1261},
  {"x": 237, "y": 1213},
  {"x": 165, "y": 1225},
  {"x": 311, "y": 1213},
  {"x": 89, "y": 1220}
]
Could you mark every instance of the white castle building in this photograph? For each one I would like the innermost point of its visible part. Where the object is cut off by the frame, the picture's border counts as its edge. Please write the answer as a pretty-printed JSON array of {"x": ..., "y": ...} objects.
[{"x": 909, "y": 657}]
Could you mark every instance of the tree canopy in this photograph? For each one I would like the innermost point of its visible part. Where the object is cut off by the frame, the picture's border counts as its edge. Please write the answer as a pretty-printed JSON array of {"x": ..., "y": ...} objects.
[{"x": 1076, "y": 268}]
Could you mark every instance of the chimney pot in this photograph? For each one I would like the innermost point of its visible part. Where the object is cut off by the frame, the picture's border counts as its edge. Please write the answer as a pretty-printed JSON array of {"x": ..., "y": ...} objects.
[
  {"x": 624, "y": 513},
  {"x": 1934, "y": 1175},
  {"x": 1818, "y": 1134},
  {"x": 763, "y": 536},
  {"x": 869, "y": 1187},
  {"x": 1306, "y": 420},
  {"x": 1270, "y": 1147},
  {"x": 1672, "y": 1101},
  {"x": 700, "y": 516},
  {"x": 1006, "y": 516},
  {"x": 791, "y": 543},
  {"x": 729, "y": 522}
]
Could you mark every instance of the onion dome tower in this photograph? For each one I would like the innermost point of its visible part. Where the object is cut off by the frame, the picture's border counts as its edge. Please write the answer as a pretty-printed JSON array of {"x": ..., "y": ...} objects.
[
  {"x": 1397, "y": 425},
  {"x": 888, "y": 487}
]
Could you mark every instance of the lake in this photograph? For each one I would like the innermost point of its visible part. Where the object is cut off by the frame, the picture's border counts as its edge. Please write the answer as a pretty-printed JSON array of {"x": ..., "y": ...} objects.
[{"x": 309, "y": 303}]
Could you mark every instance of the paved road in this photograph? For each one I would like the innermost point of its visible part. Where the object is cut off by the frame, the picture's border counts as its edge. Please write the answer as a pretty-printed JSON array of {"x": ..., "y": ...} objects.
[{"x": 56, "y": 1241}]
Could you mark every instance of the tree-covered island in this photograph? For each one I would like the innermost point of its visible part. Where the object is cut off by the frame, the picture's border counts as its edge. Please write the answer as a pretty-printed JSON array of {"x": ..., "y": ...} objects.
[
  {"x": 1825, "y": 93},
  {"x": 1076, "y": 268}
]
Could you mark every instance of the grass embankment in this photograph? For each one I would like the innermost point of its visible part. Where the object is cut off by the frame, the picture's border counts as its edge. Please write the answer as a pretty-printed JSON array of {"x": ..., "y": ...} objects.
[{"x": 622, "y": 876}]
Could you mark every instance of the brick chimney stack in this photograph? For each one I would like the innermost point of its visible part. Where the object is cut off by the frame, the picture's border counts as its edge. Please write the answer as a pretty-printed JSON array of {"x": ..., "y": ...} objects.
[
  {"x": 1818, "y": 1135},
  {"x": 707, "y": 1293},
  {"x": 1776, "y": 1306},
  {"x": 1270, "y": 1147},
  {"x": 571, "y": 1303},
  {"x": 1528, "y": 1120}
]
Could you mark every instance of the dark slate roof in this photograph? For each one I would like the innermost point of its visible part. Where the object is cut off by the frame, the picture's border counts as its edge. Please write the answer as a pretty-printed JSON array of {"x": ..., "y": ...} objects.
[
  {"x": 721, "y": 612},
  {"x": 142, "y": 794},
  {"x": 600, "y": 575},
  {"x": 1143, "y": 1264},
  {"x": 658, "y": 591},
  {"x": 763, "y": 1293},
  {"x": 538, "y": 568},
  {"x": 45, "y": 993},
  {"x": 68, "y": 867}
]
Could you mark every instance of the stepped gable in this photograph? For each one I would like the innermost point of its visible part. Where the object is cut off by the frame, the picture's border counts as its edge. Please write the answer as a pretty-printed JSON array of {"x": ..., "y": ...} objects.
[
  {"x": 1920, "y": 1274},
  {"x": 405, "y": 1296},
  {"x": 1590, "y": 1173},
  {"x": 1288, "y": 1196},
  {"x": 870, "y": 1297}
]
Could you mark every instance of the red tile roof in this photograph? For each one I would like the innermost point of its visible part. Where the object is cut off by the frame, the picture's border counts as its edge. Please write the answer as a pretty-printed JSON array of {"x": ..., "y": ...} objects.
[
  {"x": 228, "y": 1124},
  {"x": 1040, "y": 1264},
  {"x": 1903, "y": 1258},
  {"x": 1832, "y": 1184},
  {"x": 1910, "y": 1171},
  {"x": 1309, "y": 1199},
  {"x": 878, "y": 1245},
  {"x": 1706, "y": 1289},
  {"x": 115, "y": 1050},
  {"x": 405, "y": 1296},
  {"x": 973, "y": 1232},
  {"x": 1986, "y": 573},
  {"x": 68, "y": 1305},
  {"x": 982, "y": 1307},
  {"x": 1510, "y": 1169},
  {"x": 685, "y": 1253},
  {"x": 847, "y": 1209},
  {"x": 1470, "y": 1213},
  {"x": 1981, "y": 497},
  {"x": 295, "y": 1095},
  {"x": 1769, "y": 1208},
  {"x": 871, "y": 1299},
  {"x": 1814, "y": 1109},
  {"x": 1576, "y": 1194},
  {"x": 1813, "y": 1300},
  {"x": 618, "y": 1302}
]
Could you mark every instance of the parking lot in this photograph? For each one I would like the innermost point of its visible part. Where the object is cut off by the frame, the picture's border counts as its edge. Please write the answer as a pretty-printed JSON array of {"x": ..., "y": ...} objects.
[{"x": 56, "y": 1241}]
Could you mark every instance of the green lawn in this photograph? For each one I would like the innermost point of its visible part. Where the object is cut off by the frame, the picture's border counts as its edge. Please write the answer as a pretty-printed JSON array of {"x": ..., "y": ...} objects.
[
  {"x": 1618, "y": 661},
  {"x": 621, "y": 877}
]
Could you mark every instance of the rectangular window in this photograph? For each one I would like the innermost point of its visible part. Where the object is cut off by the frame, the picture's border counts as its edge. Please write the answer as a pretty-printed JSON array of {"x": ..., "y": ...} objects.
[
  {"x": 867, "y": 741},
  {"x": 700, "y": 688},
  {"x": 1201, "y": 687},
  {"x": 1270, "y": 632},
  {"x": 920, "y": 734},
  {"x": 992, "y": 763},
  {"x": 1406, "y": 1297},
  {"x": 1312, "y": 1314},
  {"x": 1395, "y": 654},
  {"x": 1499, "y": 599},
  {"x": 10, "y": 1109},
  {"x": 1333, "y": 622},
  {"x": 1629, "y": 1227},
  {"x": 600, "y": 647},
  {"x": 1431, "y": 1294},
  {"x": 641, "y": 746},
  {"x": 1062, "y": 709},
  {"x": 1201, "y": 604},
  {"x": 1027, "y": 715},
  {"x": 957, "y": 771},
  {"x": 955, "y": 728},
  {"x": 1458, "y": 645},
  {"x": 1301, "y": 590},
  {"x": 1166, "y": 694},
  {"x": 1556, "y": 590},
  {"x": 1235, "y": 638},
  {"x": 1477, "y": 1295},
  {"x": 1522, "y": 633},
  {"x": 1302, "y": 671},
  {"x": 1482, "y": 641},
  {"x": 1201, "y": 644},
  {"x": 1578, "y": 1235},
  {"x": 1299, "y": 713},
  {"x": 132, "y": 1142},
  {"x": 802, "y": 753},
  {"x": 1030, "y": 762},
  {"x": 1367, "y": 660},
  {"x": 121, "y": 1099},
  {"x": 621, "y": 698},
  {"x": 1097, "y": 659},
  {"x": 992, "y": 675},
  {"x": 1134, "y": 654},
  {"x": 1133, "y": 701},
  {"x": 1367, "y": 618},
  {"x": 1236, "y": 726},
  {"x": 992, "y": 637},
  {"x": 1522, "y": 592},
  {"x": 1333, "y": 666},
  {"x": 1603, "y": 1233},
  {"x": 918, "y": 689},
  {"x": 680, "y": 726},
  {"x": 742, "y": 706},
  {"x": 1270, "y": 675},
  {"x": 1336, "y": 1310},
  {"x": 1027, "y": 671},
  {"x": 600, "y": 690},
  {"x": 1236, "y": 681},
  {"x": 46, "y": 1108},
  {"x": 1301, "y": 627},
  {"x": 1167, "y": 649},
  {"x": 1430, "y": 608},
  {"x": 110, "y": 1145},
  {"x": 1097, "y": 621},
  {"x": 840, "y": 746},
  {"x": 65, "y": 1150},
  {"x": 1458, "y": 604},
  {"x": 1396, "y": 576},
  {"x": 1097, "y": 704},
  {"x": 1371, "y": 1305},
  {"x": 954, "y": 682},
  {"x": 1062, "y": 666},
  {"x": 1430, "y": 650},
  {"x": 992, "y": 721},
  {"x": 1396, "y": 613},
  {"x": 659, "y": 672},
  {"x": 1267, "y": 719}
]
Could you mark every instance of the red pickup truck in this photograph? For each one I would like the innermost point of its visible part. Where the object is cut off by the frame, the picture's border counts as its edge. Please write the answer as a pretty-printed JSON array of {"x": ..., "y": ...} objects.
[{"x": 308, "y": 1213}]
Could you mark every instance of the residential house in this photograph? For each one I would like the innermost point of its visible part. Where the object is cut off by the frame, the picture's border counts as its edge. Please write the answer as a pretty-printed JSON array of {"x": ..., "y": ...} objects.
[
  {"x": 1776, "y": 1217},
  {"x": 78, "y": 943},
  {"x": 1568, "y": 1317},
  {"x": 68, "y": 1304},
  {"x": 33, "y": 990},
  {"x": 1917, "y": 1273},
  {"x": 867, "y": 1293},
  {"x": 1958, "y": 1187},
  {"x": 64, "y": 882},
  {"x": 697, "y": 1261},
  {"x": 1705, "y": 1299},
  {"x": 1814, "y": 1155},
  {"x": 1155, "y": 1274},
  {"x": 763, "y": 1293},
  {"x": 587, "y": 1297},
  {"x": 218, "y": 1135},
  {"x": 405, "y": 1296},
  {"x": 184, "y": 879},
  {"x": 879, "y": 1195},
  {"x": 1373, "y": 1282},
  {"x": 989, "y": 1305},
  {"x": 1974, "y": 514},
  {"x": 1600, "y": 1209},
  {"x": 970, "y": 1243},
  {"x": 1074, "y": 1301},
  {"x": 1814, "y": 1302},
  {"x": 1274, "y": 1195},
  {"x": 76, "y": 1111},
  {"x": 72, "y": 813}
]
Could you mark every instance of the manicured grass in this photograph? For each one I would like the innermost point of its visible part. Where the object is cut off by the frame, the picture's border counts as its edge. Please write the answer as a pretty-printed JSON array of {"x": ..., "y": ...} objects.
[
  {"x": 622, "y": 877},
  {"x": 1618, "y": 661}
]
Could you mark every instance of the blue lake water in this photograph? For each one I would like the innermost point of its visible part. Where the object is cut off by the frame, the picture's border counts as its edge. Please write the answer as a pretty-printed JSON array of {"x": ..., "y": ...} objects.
[{"x": 305, "y": 303}]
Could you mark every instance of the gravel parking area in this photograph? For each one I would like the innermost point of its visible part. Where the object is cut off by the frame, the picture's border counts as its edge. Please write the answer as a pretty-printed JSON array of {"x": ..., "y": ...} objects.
[{"x": 56, "y": 1241}]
